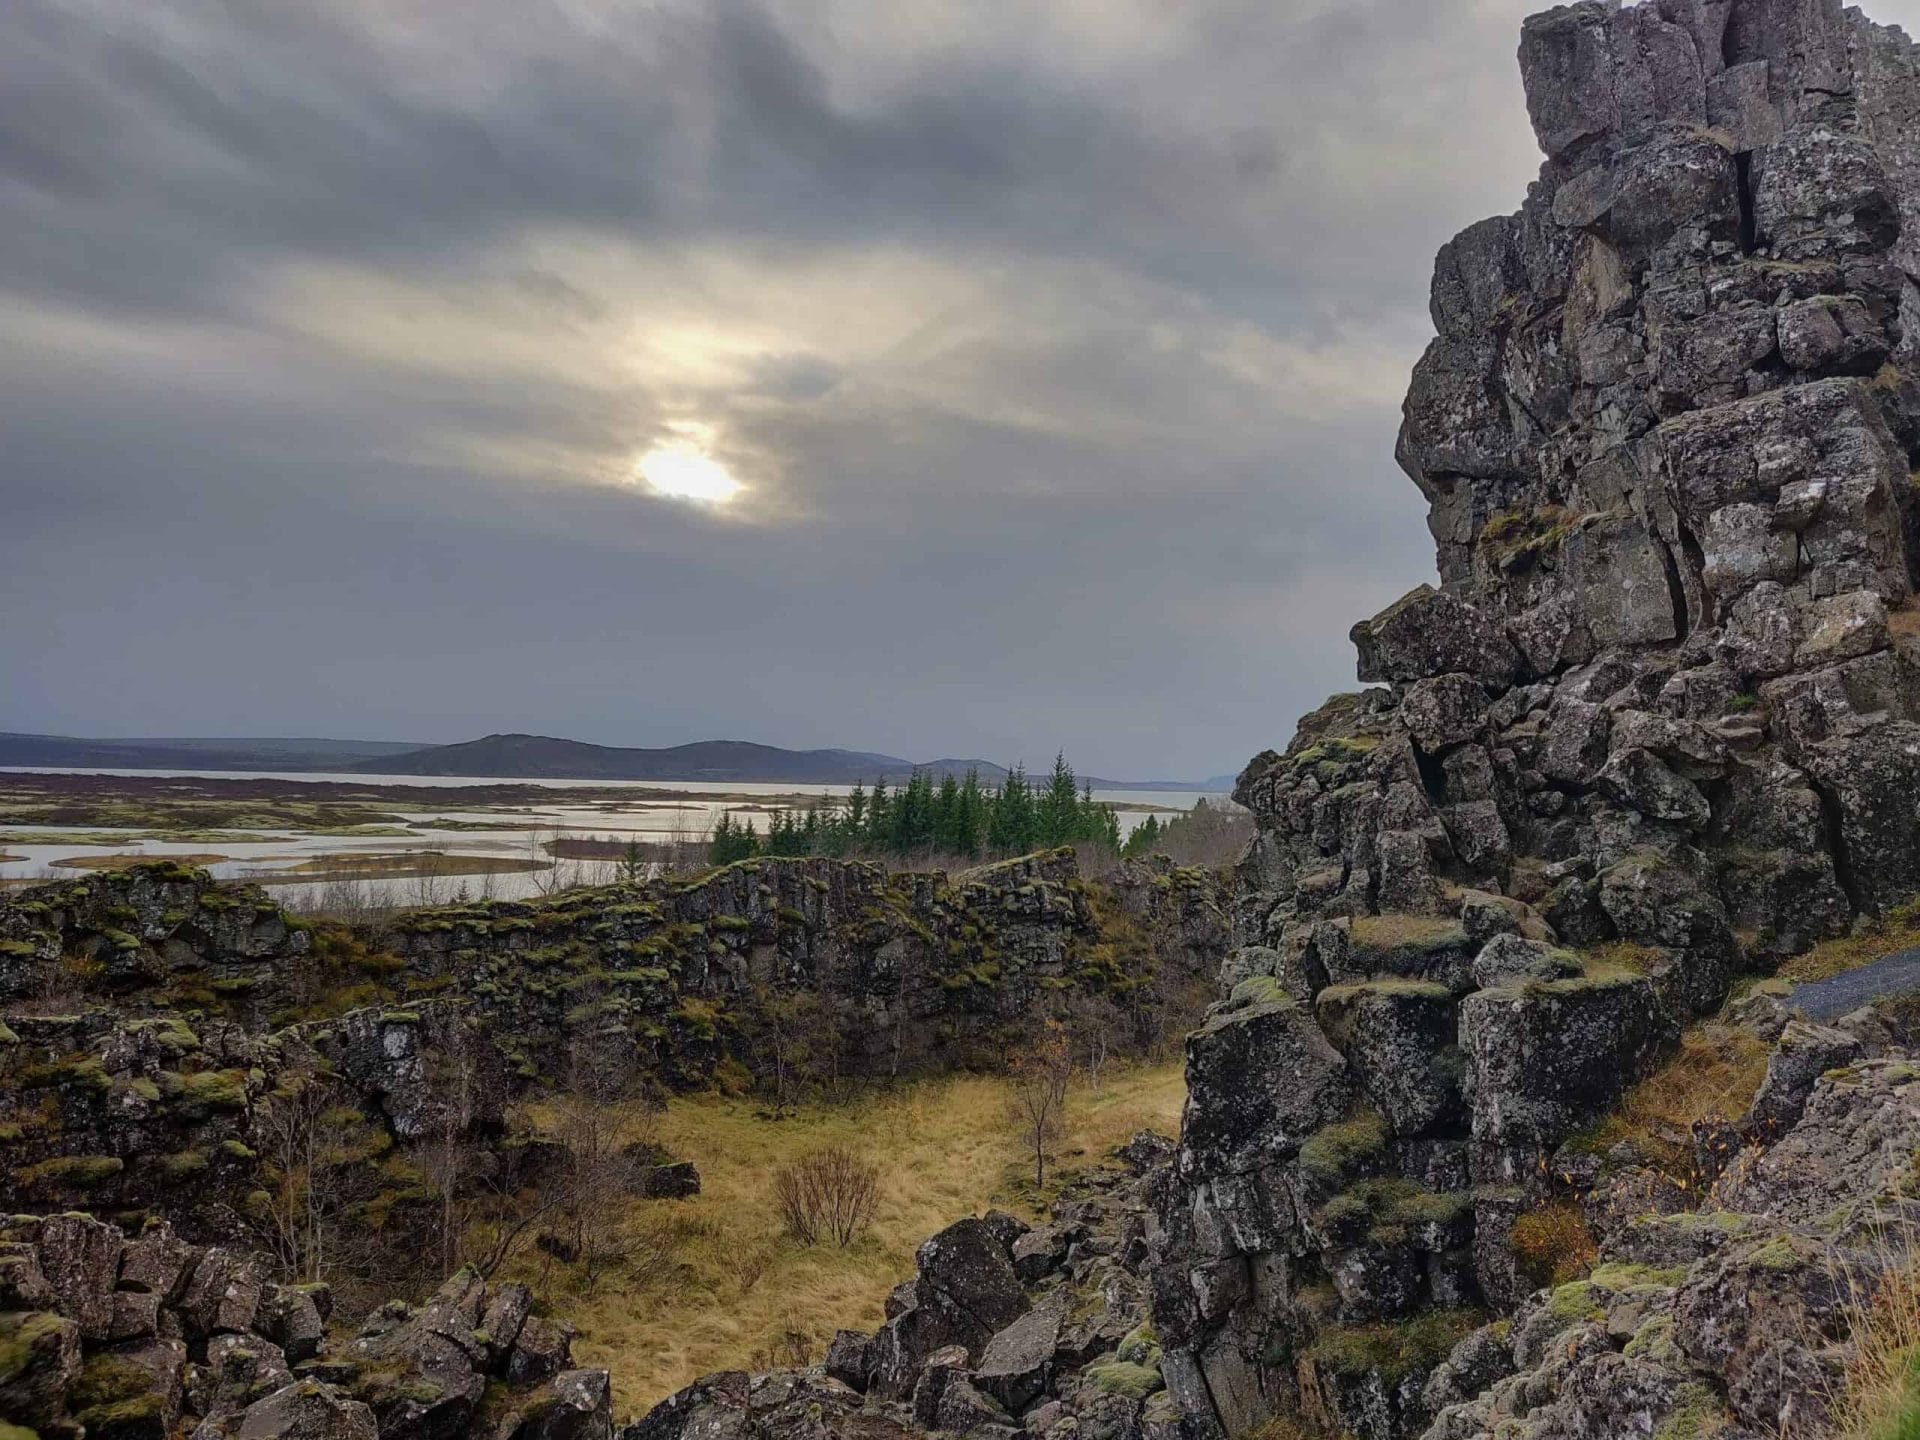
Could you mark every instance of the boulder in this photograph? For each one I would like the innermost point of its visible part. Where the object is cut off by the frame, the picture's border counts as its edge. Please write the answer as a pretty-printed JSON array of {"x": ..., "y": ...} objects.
[
  {"x": 80, "y": 1258},
  {"x": 1261, "y": 1077},
  {"x": 306, "y": 1410},
  {"x": 1018, "y": 1361},
  {"x": 575, "y": 1405}
]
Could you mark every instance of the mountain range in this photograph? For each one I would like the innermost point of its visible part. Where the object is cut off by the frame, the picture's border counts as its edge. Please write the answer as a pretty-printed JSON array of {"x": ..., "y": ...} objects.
[{"x": 519, "y": 757}]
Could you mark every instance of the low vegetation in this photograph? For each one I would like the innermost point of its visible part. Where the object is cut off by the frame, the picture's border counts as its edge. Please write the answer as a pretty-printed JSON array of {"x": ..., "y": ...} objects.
[
  {"x": 715, "y": 1282},
  {"x": 1553, "y": 1245},
  {"x": 1712, "y": 1075},
  {"x": 1880, "y": 1395}
]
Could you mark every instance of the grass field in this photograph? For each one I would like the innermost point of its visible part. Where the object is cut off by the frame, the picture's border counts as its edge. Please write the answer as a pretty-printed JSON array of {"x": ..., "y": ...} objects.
[{"x": 712, "y": 1284}]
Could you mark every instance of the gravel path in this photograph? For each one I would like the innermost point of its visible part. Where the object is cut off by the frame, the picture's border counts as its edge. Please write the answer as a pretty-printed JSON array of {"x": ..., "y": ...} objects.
[{"x": 1890, "y": 975}]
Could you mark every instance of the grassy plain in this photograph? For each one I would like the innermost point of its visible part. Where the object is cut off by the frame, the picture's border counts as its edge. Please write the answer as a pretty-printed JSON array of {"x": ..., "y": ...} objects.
[{"x": 711, "y": 1283}]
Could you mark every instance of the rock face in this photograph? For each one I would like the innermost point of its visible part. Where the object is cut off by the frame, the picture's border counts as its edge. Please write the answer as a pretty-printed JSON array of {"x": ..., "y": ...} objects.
[
  {"x": 152, "y": 1338},
  {"x": 910, "y": 971},
  {"x": 1659, "y": 723}
]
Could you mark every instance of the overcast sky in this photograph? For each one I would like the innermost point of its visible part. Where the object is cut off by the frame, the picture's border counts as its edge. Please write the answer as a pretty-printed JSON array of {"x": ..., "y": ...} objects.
[{"x": 1056, "y": 346}]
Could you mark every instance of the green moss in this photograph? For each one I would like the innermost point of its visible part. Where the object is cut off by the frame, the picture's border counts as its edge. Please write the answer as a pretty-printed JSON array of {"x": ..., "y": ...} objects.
[
  {"x": 1394, "y": 1351},
  {"x": 17, "y": 949},
  {"x": 1519, "y": 540},
  {"x": 1336, "y": 750},
  {"x": 1627, "y": 1277},
  {"x": 70, "y": 1172},
  {"x": 1575, "y": 1302},
  {"x": 1418, "y": 933},
  {"x": 170, "y": 1032},
  {"x": 1333, "y": 1151},
  {"x": 238, "y": 1150},
  {"x": 1697, "y": 1413},
  {"x": 209, "y": 1090},
  {"x": 1123, "y": 1377},
  {"x": 182, "y": 1164},
  {"x": 107, "y": 1379},
  {"x": 1776, "y": 1255},
  {"x": 1654, "y": 1341},
  {"x": 21, "y": 1337},
  {"x": 1387, "y": 1209}
]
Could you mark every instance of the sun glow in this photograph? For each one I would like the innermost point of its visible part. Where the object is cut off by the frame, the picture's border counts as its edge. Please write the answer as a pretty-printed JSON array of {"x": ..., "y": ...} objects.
[{"x": 683, "y": 471}]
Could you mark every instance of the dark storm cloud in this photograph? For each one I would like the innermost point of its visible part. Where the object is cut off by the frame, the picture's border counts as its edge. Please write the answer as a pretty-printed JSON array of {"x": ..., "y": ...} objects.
[{"x": 1059, "y": 344}]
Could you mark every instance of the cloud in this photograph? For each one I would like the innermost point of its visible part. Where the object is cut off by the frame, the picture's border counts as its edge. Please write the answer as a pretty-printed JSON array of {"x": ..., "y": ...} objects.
[{"x": 1059, "y": 344}]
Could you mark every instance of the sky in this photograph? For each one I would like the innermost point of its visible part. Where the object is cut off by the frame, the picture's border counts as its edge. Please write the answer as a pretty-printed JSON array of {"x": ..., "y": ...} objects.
[{"x": 937, "y": 377}]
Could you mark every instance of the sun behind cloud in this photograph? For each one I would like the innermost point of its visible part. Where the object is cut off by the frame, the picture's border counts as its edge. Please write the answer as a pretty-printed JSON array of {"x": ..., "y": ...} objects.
[{"x": 682, "y": 470}]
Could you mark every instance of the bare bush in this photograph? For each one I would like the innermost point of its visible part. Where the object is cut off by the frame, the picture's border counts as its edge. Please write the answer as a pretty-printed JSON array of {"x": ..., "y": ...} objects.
[{"x": 829, "y": 1195}]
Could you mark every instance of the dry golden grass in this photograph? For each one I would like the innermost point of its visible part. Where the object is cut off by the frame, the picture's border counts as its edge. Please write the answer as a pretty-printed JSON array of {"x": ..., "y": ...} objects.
[
  {"x": 1898, "y": 929},
  {"x": 712, "y": 1283},
  {"x": 1553, "y": 1244},
  {"x": 1880, "y": 1393},
  {"x": 1713, "y": 1075}
]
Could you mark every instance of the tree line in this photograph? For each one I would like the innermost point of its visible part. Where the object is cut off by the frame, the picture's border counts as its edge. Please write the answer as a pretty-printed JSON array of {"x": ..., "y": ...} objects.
[{"x": 960, "y": 817}]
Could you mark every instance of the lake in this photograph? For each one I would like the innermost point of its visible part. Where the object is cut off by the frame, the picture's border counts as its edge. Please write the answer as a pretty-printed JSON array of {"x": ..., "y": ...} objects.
[{"x": 659, "y": 811}]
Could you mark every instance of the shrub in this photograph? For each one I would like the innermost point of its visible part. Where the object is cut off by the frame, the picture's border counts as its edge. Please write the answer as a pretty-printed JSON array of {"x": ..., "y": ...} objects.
[
  {"x": 830, "y": 1194},
  {"x": 1553, "y": 1244}
]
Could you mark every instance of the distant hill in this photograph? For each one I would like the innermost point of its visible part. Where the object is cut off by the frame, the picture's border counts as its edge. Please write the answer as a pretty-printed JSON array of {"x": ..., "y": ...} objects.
[
  {"x": 68, "y": 752},
  {"x": 512, "y": 757}
]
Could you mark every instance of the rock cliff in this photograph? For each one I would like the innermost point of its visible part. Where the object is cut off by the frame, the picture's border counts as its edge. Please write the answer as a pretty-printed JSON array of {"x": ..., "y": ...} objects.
[{"x": 1658, "y": 725}]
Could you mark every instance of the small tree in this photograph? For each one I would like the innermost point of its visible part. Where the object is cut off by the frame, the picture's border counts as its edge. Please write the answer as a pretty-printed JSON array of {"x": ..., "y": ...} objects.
[
  {"x": 1040, "y": 1074},
  {"x": 589, "y": 1127},
  {"x": 1095, "y": 1023}
]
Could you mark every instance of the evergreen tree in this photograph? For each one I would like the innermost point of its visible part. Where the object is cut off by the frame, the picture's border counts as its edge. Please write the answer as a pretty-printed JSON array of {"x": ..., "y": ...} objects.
[
  {"x": 879, "y": 832},
  {"x": 1058, "y": 816},
  {"x": 946, "y": 816},
  {"x": 732, "y": 841},
  {"x": 1011, "y": 827},
  {"x": 1144, "y": 837},
  {"x": 970, "y": 817}
]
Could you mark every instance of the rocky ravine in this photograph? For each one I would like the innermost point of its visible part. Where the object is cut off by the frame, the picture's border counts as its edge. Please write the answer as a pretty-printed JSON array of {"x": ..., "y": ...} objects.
[{"x": 1659, "y": 725}]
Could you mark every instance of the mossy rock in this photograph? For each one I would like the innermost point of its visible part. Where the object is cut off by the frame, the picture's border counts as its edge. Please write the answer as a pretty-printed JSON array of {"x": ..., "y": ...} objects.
[
  {"x": 183, "y": 1164},
  {"x": 1394, "y": 1352},
  {"x": 69, "y": 1172},
  {"x": 1123, "y": 1377},
  {"x": 1335, "y": 1150}
]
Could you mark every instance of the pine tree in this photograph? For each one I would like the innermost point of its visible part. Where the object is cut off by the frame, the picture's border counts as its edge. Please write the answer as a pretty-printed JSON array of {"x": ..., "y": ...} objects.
[
  {"x": 1059, "y": 809},
  {"x": 946, "y": 816},
  {"x": 879, "y": 832},
  {"x": 970, "y": 817},
  {"x": 1011, "y": 828}
]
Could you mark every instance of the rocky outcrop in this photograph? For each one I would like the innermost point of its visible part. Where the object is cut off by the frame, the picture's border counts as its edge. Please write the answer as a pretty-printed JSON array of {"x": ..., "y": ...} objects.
[
  {"x": 1733, "y": 1318},
  {"x": 160, "y": 932},
  {"x": 1659, "y": 723},
  {"x": 150, "y": 1338}
]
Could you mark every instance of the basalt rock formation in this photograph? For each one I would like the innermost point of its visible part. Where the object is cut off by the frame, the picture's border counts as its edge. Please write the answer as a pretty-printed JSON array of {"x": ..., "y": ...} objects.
[
  {"x": 151, "y": 1338},
  {"x": 917, "y": 971},
  {"x": 1659, "y": 724}
]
